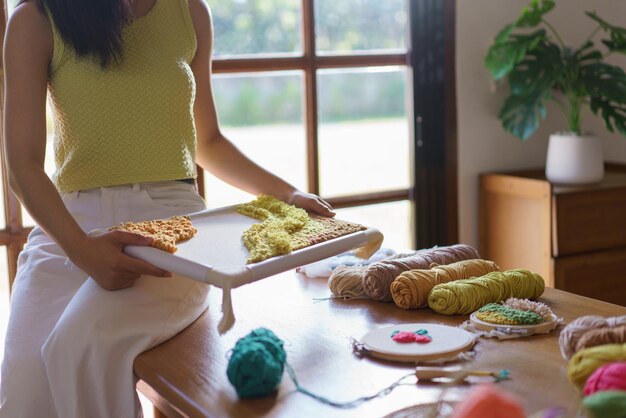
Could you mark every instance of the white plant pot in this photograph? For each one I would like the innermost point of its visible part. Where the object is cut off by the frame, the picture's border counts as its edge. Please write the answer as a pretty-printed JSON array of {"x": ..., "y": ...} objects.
[{"x": 574, "y": 159}]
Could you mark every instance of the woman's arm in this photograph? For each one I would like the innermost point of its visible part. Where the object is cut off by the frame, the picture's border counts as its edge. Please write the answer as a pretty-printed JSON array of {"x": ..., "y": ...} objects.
[
  {"x": 27, "y": 52},
  {"x": 216, "y": 153}
]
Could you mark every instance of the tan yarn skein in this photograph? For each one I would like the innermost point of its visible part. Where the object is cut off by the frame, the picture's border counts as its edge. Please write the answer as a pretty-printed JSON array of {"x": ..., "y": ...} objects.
[
  {"x": 379, "y": 276},
  {"x": 346, "y": 282},
  {"x": 410, "y": 289},
  {"x": 568, "y": 339},
  {"x": 466, "y": 296},
  {"x": 602, "y": 336}
]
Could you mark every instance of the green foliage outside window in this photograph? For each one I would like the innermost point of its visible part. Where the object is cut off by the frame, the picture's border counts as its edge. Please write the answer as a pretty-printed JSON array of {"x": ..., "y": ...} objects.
[
  {"x": 248, "y": 27},
  {"x": 342, "y": 96}
]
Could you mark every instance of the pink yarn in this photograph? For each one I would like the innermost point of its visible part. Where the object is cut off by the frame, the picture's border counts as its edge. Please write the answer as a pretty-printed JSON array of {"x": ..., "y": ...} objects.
[
  {"x": 404, "y": 337},
  {"x": 611, "y": 376},
  {"x": 422, "y": 339},
  {"x": 410, "y": 337},
  {"x": 487, "y": 402}
]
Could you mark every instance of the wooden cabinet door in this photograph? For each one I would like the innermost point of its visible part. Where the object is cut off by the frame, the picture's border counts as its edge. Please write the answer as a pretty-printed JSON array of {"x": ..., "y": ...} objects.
[
  {"x": 589, "y": 220},
  {"x": 600, "y": 275},
  {"x": 515, "y": 223}
]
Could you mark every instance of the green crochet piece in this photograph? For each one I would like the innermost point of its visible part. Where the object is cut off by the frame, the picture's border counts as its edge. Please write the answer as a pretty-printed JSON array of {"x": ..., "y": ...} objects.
[{"x": 502, "y": 314}]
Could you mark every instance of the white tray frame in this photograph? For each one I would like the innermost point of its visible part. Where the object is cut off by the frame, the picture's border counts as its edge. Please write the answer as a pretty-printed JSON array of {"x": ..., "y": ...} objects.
[{"x": 233, "y": 277}]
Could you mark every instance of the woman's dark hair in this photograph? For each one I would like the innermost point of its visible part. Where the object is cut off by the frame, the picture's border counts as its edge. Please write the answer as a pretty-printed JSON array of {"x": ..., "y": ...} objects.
[{"x": 91, "y": 27}]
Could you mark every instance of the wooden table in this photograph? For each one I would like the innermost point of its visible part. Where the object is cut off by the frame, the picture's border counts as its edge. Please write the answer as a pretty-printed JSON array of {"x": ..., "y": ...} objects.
[{"x": 186, "y": 376}]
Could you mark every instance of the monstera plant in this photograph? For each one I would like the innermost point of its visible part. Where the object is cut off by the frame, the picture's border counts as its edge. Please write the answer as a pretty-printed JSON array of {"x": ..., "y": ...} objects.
[{"x": 539, "y": 66}]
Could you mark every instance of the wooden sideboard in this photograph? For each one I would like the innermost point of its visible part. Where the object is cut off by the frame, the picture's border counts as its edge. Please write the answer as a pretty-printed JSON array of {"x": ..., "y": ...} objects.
[{"x": 575, "y": 237}]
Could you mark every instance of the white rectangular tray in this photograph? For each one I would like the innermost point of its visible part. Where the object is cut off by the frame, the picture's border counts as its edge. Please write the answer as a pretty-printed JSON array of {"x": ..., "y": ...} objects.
[{"x": 216, "y": 255}]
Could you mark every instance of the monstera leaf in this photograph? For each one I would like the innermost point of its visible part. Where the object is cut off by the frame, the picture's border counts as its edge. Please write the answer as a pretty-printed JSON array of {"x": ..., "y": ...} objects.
[
  {"x": 585, "y": 53},
  {"x": 509, "y": 49},
  {"x": 614, "y": 116},
  {"x": 617, "y": 43},
  {"x": 606, "y": 85},
  {"x": 538, "y": 72},
  {"x": 502, "y": 57},
  {"x": 521, "y": 115},
  {"x": 604, "y": 81},
  {"x": 533, "y": 13},
  {"x": 531, "y": 83}
]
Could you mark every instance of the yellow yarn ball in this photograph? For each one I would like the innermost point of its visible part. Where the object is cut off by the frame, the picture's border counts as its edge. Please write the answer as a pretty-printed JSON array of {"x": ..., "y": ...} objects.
[
  {"x": 466, "y": 296},
  {"x": 586, "y": 361}
]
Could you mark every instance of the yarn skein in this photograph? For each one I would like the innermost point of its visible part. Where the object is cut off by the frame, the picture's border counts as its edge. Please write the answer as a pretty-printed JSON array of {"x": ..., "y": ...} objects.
[
  {"x": 466, "y": 296},
  {"x": 586, "y": 361},
  {"x": 606, "y": 404},
  {"x": 611, "y": 376},
  {"x": 411, "y": 288},
  {"x": 346, "y": 282},
  {"x": 577, "y": 328},
  {"x": 487, "y": 402},
  {"x": 378, "y": 277},
  {"x": 256, "y": 364},
  {"x": 602, "y": 336}
]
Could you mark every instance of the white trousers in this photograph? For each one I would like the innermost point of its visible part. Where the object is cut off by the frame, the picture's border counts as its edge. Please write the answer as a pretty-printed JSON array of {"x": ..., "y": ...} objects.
[{"x": 70, "y": 344}]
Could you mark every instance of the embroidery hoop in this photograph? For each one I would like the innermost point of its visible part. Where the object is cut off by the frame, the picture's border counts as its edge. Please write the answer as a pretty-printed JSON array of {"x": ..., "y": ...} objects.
[
  {"x": 447, "y": 343},
  {"x": 523, "y": 330}
]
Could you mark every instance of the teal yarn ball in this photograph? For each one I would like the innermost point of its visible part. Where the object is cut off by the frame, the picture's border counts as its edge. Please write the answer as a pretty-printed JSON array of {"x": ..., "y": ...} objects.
[{"x": 256, "y": 364}]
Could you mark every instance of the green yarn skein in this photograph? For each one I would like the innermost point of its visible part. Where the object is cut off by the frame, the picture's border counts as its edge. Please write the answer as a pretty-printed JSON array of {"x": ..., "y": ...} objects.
[
  {"x": 606, "y": 404},
  {"x": 256, "y": 364}
]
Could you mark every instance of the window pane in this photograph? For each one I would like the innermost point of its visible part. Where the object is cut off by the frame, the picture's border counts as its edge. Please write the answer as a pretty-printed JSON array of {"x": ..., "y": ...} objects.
[
  {"x": 392, "y": 219},
  {"x": 364, "y": 132},
  {"x": 360, "y": 25},
  {"x": 262, "y": 115},
  {"x": 4, "y": 297},
  {"x": 244, "y": 27}
]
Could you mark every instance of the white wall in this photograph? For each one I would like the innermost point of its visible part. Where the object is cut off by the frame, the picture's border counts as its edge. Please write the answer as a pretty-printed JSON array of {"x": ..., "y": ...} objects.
[{"x": 483, "y": 144}]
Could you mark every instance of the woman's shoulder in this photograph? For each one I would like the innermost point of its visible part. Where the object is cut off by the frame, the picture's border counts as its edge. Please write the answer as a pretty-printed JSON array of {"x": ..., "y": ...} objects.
[
  {"x": 200, "y": 13},
  {"x": 30, "y": 12},
  {"x": 30, "y": 19},
  {"x": 28, "y": 44},
  {"x": 201, "y": 17},
  {"x": 197, "y": 5}
]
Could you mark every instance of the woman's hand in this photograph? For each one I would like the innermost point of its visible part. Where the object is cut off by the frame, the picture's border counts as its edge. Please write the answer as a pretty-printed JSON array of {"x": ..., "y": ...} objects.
[
  {"x": 311, "y": 203},
  {"x": 101, "y": 257}
]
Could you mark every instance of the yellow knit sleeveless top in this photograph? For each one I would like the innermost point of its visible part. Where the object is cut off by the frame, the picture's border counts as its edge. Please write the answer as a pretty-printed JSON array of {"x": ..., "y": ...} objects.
[{"x": 130, "y": 123}]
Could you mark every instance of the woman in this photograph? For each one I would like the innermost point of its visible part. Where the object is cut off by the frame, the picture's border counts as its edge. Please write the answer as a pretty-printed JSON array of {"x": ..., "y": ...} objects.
[{"x": 129, "y": 82}]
